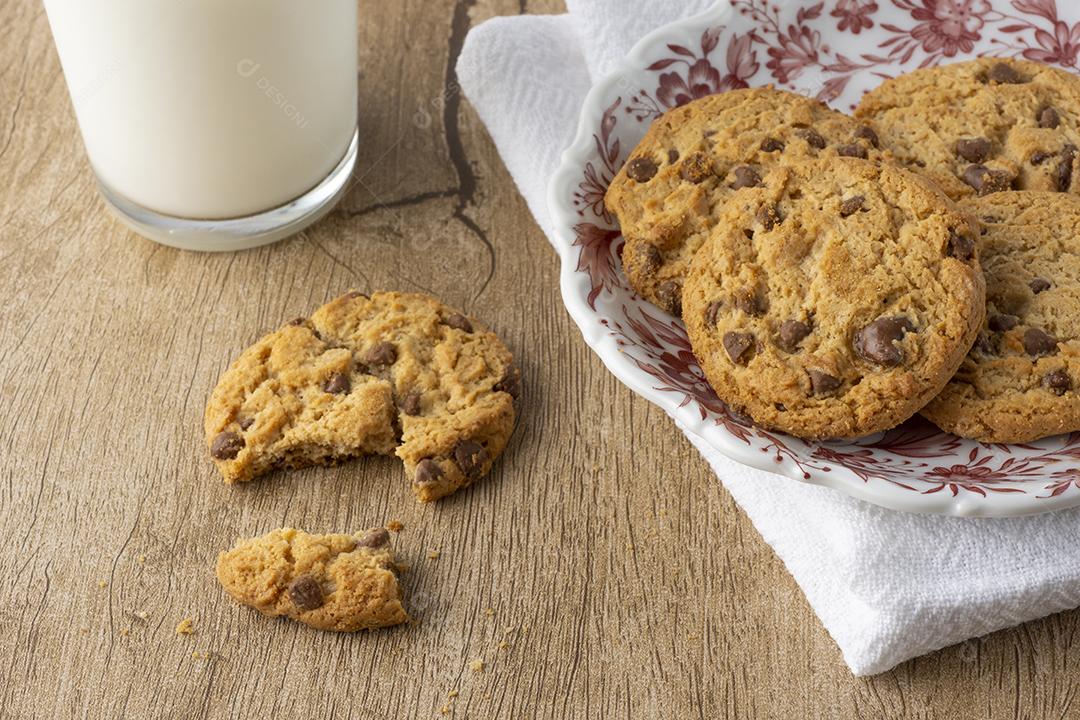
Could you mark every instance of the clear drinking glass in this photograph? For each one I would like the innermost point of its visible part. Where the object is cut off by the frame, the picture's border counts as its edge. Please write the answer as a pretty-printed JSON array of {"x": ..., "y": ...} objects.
[{"x": 214, "y": 124}]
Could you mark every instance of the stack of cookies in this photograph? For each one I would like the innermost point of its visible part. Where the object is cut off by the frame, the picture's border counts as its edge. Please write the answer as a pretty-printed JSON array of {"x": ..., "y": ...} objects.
[{"x": 837, "y": 275}]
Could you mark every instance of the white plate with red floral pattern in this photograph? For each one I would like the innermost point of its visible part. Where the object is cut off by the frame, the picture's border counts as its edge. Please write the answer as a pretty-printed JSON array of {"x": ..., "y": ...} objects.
[{"x": 835, "y": 50}]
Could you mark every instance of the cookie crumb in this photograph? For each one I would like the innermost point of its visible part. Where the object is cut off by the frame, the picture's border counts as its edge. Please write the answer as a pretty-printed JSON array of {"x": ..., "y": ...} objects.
[
  {"x": 445, "y": 709},
  {"x": 477, "y": 666},
  {"x": 395, "y": 526},
  {"x": 142, "y": 559},
  {"x": 503, "y": 644},
  {"x": 489, "y": 612},
  {"x": 103, "y": 583},
  {"x": 452, "y": 693},
  {"x": 186, "y": 627},
  {"x": 433, "y": 554},
  {"x": 125, "y": 632}
]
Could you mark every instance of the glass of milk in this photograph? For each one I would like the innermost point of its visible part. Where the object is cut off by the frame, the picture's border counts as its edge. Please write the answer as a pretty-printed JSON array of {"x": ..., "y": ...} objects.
[{"x": 214, "y": 124}]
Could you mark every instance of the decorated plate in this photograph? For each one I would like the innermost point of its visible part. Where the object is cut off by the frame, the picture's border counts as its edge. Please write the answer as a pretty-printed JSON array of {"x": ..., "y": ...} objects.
[{"x": 836, "y": 51}]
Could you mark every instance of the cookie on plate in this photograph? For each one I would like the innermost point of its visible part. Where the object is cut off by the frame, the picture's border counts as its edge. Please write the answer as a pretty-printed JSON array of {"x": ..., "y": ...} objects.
[
  {"x": 982, "y": 126},
  {"x": 836, "y": 299},
  {"x": 393, "y": 373},
  {"x": 330, "y": 582},
  {"x": 668, "y": 194},
  {"x": 1020, "y": 381}
]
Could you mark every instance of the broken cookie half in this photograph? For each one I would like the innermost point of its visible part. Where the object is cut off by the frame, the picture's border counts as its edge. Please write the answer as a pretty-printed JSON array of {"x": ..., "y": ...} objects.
[
  {"x": 391, "y": 373},
  {"x": 330, "y": 582}
]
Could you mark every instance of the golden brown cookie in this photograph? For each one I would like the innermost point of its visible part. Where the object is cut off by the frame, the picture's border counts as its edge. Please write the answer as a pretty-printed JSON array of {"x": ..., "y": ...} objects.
[
  {"x": 982, "y": 126},
  {"x": 836, "y": 299},
  {"x": 391, "y": 373},
  {"x": 330, "y": 582},
  {"x": 668, "y": 195},
  {"x": 1019, "y": 382}
]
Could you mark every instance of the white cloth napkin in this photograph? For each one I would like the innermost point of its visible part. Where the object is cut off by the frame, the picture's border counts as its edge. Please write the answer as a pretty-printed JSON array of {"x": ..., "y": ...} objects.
[{"x": 887, "y": 586}]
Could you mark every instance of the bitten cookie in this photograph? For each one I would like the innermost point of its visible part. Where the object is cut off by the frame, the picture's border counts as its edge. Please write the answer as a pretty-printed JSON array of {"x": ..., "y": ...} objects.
[
  {"x": 836, "y": 299},
  {"x": 668, "y": 195},
  {"x": 391, "y": 373},
  {"x": 1019, "y": 382},
  {"x": 983, "y": 126},
  {"x": 330, "y": 582}
]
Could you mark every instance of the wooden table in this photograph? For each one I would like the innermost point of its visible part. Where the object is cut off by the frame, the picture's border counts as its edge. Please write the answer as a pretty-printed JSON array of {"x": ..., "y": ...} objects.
[{"x": 600, "y": 571}]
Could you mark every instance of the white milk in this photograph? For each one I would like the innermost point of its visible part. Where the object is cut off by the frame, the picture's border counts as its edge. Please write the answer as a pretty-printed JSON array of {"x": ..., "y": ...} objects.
[{"x": 210, "y": 109}]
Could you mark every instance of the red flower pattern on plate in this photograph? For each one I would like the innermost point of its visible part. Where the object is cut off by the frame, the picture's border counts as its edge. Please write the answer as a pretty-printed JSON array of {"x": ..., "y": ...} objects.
[
  {"x": 947, "y": 27},
  {"x": 854, "y": 15},
  {"x": 916, "y": 456}
]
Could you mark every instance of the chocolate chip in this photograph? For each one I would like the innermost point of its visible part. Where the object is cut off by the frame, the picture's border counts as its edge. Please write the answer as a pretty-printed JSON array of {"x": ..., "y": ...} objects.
[
  {"x": 297, "y": 322},
  {"x": 226, "y": 446},
  {"x": 974, "y": 150},
  {"x": 470, "y": 457},
  {"x": 1005, "y": 74},
  {"x": 1063, "y": 174},
  {"x": 1057, "y": 382},
  {"x": 851, "y": 205},
  {"x": 651, "y": 258},
  {"x": 1049, "y": 118},
  {"x": 1002, "y": 323},
  {"x": 306, "y": 593},
  {"x": 748, "y": 234},
  {"x": 812, "y": 137},
  {"x": 353, "y": 294},
  {"x": 821, "y": 382},
  {"x": 695, "y": 168},
  {"x": 1039, "y": 285},
  {"x": 1038, "y": 342},
  {"x": 383, "y": 353},
  {"x": 374, "y": 538},
  {"x": 771, "y": 145},
  {"x": 737, "y": 345},
  {"x": 745, "y": 176},
  {"x": 876, "y": 342},
  {"x": 427, "y": 471},
  {"x": 459, "y": 322},
  {"x": 749, "y": 302},
  {"x": 961, "y": 247},
  {"x": 669, "y": 296},
  {"x": 769, "y": 216},
  {"x": 337, "y": 384},
  {"x": 641, "y": 169},
  {"x": 708, "y": 133},
  {"x": 792, "y": 332},
  {"x": 853, "y": 150},
  {"x": 987, "y": 181},
  {"x": 865, "y": 132},
  {"x": 672, "y": 156},
  {"x": 246, "y": 423},
  {"x": 1040, "y": 157},
  {"x": 410, "y": 404},
  {"x": 510, "y": 382},
  {"x": 712, "y": 312}
]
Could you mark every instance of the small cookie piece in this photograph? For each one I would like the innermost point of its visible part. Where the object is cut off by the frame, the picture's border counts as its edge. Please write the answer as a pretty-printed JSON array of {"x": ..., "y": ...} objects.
[
  {"x": 330, "y": 582},
  {"x": 858, "y": 317},
  {"x": 982, "y": 127},
  {"x": 1020, "y": 381},
  {"x": 393, "y": 373},
  {"x": 667, "y": 196}
]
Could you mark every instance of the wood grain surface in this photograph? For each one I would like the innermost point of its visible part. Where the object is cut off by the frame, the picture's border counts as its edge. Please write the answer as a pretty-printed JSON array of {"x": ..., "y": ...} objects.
[{"x": 600, "y": 572}]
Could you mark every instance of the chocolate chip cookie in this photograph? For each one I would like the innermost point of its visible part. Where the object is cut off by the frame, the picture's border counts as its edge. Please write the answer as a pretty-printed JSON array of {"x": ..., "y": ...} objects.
[
  {"x": 984, "y": 126},
  {"x": 668, "y": 195},
  {"x": 330, "y": 582},
  {"x": 1020, "y": 380},
  {"x": 835, "y": 299},
  {"x": 391, "y": 373}
]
